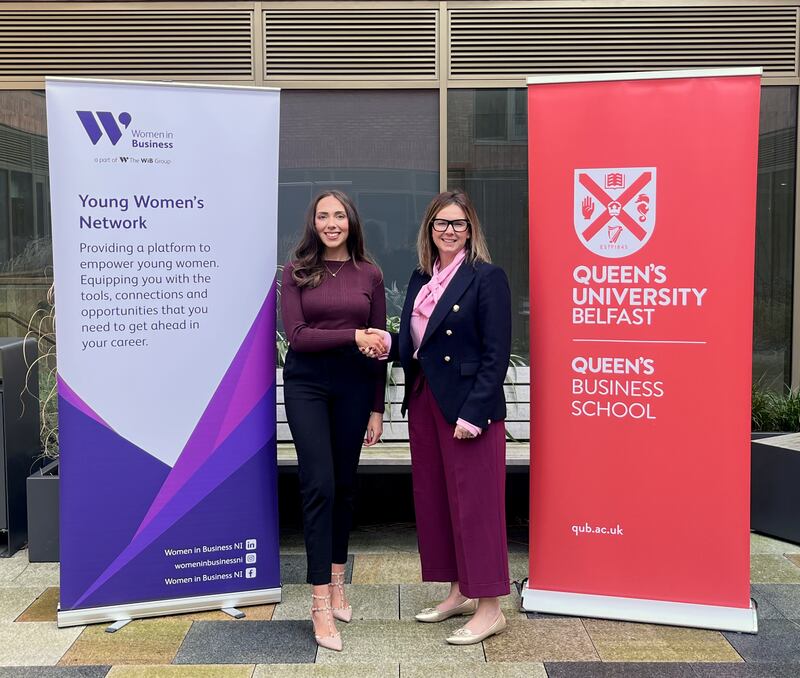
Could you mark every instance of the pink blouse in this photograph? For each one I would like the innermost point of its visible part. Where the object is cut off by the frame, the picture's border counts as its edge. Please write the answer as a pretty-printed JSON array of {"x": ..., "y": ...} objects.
[{"x": 426, "y": 301}]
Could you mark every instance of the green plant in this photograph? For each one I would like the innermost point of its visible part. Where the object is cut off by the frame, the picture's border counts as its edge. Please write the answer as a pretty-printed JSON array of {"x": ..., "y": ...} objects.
[
  {"x": 282, "y": 344},
  {"x": 392, "y": 325},
  {"x": 775, "y": 411},
  {"x": 41, "y": 327}
]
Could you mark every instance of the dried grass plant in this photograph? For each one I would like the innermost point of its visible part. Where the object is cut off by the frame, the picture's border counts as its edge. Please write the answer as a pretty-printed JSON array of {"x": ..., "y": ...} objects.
[{"x": 41, "y": 328}]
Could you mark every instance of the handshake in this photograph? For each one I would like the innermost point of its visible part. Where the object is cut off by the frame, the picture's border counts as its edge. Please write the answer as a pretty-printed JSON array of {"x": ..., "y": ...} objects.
[{"x": 374, "y": 343}]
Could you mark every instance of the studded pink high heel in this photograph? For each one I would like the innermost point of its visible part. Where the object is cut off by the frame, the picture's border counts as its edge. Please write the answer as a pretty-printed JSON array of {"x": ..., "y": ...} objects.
[
  {"x": 332, "y": 641},
  {"x": 344, "y": 614}
]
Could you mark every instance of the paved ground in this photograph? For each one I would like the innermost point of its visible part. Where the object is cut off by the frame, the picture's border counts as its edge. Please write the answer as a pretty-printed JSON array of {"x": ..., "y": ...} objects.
[{"x": 384, "y": 640}]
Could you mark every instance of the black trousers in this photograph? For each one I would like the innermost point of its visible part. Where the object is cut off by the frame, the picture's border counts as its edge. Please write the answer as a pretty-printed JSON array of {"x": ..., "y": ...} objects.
[{"x": 328, "y": 397}]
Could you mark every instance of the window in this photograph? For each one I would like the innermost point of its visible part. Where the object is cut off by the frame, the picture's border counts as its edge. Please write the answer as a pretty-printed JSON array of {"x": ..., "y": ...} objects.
[
  {"x": 772, "y": 311},
  {"x": 483, "y": 160},
  {"x": 25, "y": 247},
  {"x": 379, "y": 147}
]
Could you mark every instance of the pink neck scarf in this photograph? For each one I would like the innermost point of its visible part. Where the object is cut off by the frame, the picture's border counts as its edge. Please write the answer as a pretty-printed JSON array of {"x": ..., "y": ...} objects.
[{"x": 429, "y": 296}]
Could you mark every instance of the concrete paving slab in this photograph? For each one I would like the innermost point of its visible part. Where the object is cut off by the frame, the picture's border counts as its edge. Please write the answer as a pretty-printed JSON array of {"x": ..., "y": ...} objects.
[
  {"x": 10, "y": 568},
  {"x": 518, "y": 566},
  {"x": 35, "y": 643},
  {"x": 327, "y": 671},
  {"x": 172, "y": 671},
  {"x": 765, "y": 670},
  {"x": 630, "y": 642},
  {"x": 773, "y": 569},
  {"x": 252, "y": 612},
  {"x": 401, "y": 642},
  {"x": 392, "y": 568},
  {"x": 784, "y": 598},
  {"x": 777, "y": 640},
  {"x": 540, "y": 640},
  {"x": 278, "y": 642},
  {"x": 761, "y": 543},
  {"x": 53, "y": 671},
  {"x": 521, "y": 670},
  {"x": 39, "y": 574},
  {"x": 765, "y": 609},
  {"x": 143, "y": 641},
  {"x": 43, "y": 608},
  {"x": 618, "y": 670},
  {"x": 13, "y": 601}
]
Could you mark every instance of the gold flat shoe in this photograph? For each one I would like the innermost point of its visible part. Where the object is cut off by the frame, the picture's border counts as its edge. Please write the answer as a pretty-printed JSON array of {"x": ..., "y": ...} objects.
[
  {"x": 466, "y": 637},
  {"x": 431, "y": 614}
]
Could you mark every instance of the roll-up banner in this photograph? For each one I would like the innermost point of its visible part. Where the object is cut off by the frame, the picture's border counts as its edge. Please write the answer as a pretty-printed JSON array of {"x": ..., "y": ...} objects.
[
  {"x": 642, "y": 224},
  {"x": 164, "y": 213}
]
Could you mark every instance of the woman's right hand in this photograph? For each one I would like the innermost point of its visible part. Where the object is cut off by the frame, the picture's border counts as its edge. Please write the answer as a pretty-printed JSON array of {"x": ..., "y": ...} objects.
[{"x": 371, "y": 344}]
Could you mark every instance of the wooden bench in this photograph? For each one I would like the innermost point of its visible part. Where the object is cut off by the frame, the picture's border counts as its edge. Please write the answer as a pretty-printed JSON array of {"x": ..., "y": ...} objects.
[{"x": 393, "y": 454}]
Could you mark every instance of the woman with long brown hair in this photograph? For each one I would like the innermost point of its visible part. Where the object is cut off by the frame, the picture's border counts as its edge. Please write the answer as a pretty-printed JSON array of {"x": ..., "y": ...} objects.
[
  {"x": 454, "y": 345},
  {"x": 331, "y": 291}
]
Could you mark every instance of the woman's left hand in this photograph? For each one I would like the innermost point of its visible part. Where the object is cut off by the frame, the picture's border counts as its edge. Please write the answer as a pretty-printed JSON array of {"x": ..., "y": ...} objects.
[
  {"x": 374, "y": 429},
  {"x": 462, "y": 433}
]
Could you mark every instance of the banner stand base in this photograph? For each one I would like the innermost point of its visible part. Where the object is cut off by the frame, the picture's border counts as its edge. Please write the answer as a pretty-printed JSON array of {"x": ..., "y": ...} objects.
[
  {"x": 156, "y": 608},
  {"x": 714, "y": 617}
]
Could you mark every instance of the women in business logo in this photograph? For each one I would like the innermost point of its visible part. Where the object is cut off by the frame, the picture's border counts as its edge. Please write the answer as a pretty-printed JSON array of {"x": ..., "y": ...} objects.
[
  {"x": 110, "y": 124},
  {"x": 113, "y": 126},
  {"x": 615, "y": 209}
]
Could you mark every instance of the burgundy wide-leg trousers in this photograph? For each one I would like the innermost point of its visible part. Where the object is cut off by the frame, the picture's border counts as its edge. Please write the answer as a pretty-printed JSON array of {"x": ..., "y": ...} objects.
[{"x": 459, "y": 499}]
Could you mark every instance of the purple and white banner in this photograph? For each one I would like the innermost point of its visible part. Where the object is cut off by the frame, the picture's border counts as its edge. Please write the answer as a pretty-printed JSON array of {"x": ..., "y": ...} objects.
[{"x": 164, "y": 210}]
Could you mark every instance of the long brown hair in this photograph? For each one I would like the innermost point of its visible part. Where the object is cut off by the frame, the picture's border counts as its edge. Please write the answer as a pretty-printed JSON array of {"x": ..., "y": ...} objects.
[
  {"x": 476, "y": 247},
  {"x": 309, "y": 267}
]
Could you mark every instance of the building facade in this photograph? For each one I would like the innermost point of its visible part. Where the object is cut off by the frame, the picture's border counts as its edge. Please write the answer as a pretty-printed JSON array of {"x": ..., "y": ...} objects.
[{"x": 394, "y": 101}]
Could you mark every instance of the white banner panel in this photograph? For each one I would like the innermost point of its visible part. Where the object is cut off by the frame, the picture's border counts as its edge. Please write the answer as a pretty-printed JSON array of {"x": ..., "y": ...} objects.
[{"x": 164, "y": 204}]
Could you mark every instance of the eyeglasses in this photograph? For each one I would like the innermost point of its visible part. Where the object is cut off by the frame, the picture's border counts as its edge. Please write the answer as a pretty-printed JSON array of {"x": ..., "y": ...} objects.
[{"x": 441, "y": 225}]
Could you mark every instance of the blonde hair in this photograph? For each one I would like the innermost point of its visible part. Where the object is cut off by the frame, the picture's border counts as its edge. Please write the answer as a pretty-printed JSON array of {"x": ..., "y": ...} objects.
[{"x": 476, "y": 247}]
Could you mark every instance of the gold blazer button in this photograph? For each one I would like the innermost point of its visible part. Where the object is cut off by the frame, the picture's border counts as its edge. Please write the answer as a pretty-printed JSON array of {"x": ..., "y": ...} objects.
[
  {"x": 448, "y": 332},
  {"x": 456, "y": 308},
  {"x": 447, "y": 358}
]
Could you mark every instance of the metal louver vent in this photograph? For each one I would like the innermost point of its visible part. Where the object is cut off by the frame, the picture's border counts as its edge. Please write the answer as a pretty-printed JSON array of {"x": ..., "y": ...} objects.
[
  {"x": 777, "y": 150},
  {"x": 39, "y": 152},
  {"x": 188, "y": 44},
  {"x": 334, "y": 43},
  {"x": 532, "y": 41},
  {"x": 15, "y": 149}
]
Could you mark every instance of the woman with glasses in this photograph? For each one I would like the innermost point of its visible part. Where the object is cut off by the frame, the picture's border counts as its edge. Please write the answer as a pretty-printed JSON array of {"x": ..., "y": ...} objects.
[
  {"x": 330, "y": 293},
  {"x": 454, "y": 345}
]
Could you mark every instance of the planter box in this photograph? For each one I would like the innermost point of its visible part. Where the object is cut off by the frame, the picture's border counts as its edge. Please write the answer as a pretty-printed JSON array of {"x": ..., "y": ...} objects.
[
  {"x": 43, "y": 515},
  {"x": 19, "y": 438},
  {"x": 775, "y": 486}
]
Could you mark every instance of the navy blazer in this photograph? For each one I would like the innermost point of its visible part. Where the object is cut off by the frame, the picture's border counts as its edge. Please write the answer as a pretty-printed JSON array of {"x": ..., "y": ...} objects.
[{"x": 467, "y": 344}]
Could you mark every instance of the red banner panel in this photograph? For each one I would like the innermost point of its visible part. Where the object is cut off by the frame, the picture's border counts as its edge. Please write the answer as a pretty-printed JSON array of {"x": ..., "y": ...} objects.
[{"x": 642, "y": 223}]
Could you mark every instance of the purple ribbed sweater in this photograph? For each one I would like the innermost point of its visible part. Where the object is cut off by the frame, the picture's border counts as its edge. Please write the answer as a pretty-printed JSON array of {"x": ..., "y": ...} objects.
[{"x": 328, "y": 315}]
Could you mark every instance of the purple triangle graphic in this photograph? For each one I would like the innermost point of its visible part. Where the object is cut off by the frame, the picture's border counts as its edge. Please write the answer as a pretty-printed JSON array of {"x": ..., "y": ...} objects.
[
  {"x": 250, "y": 375},
  {"x": 66, "y": 392},
  {"x": 243, "y": 406},
  {"x": 251, "y": 436},
  {"x": 98, "y": 469},
  {"x": 221, "y": 517}
]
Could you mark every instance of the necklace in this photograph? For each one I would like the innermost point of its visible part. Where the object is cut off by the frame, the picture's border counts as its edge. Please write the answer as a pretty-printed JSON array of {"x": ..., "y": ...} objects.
[{"x": 338, "y": 269}]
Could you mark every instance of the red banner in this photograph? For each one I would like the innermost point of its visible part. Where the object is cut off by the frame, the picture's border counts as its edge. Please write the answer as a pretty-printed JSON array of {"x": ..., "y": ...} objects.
[{"x": 642, "y": 208}]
